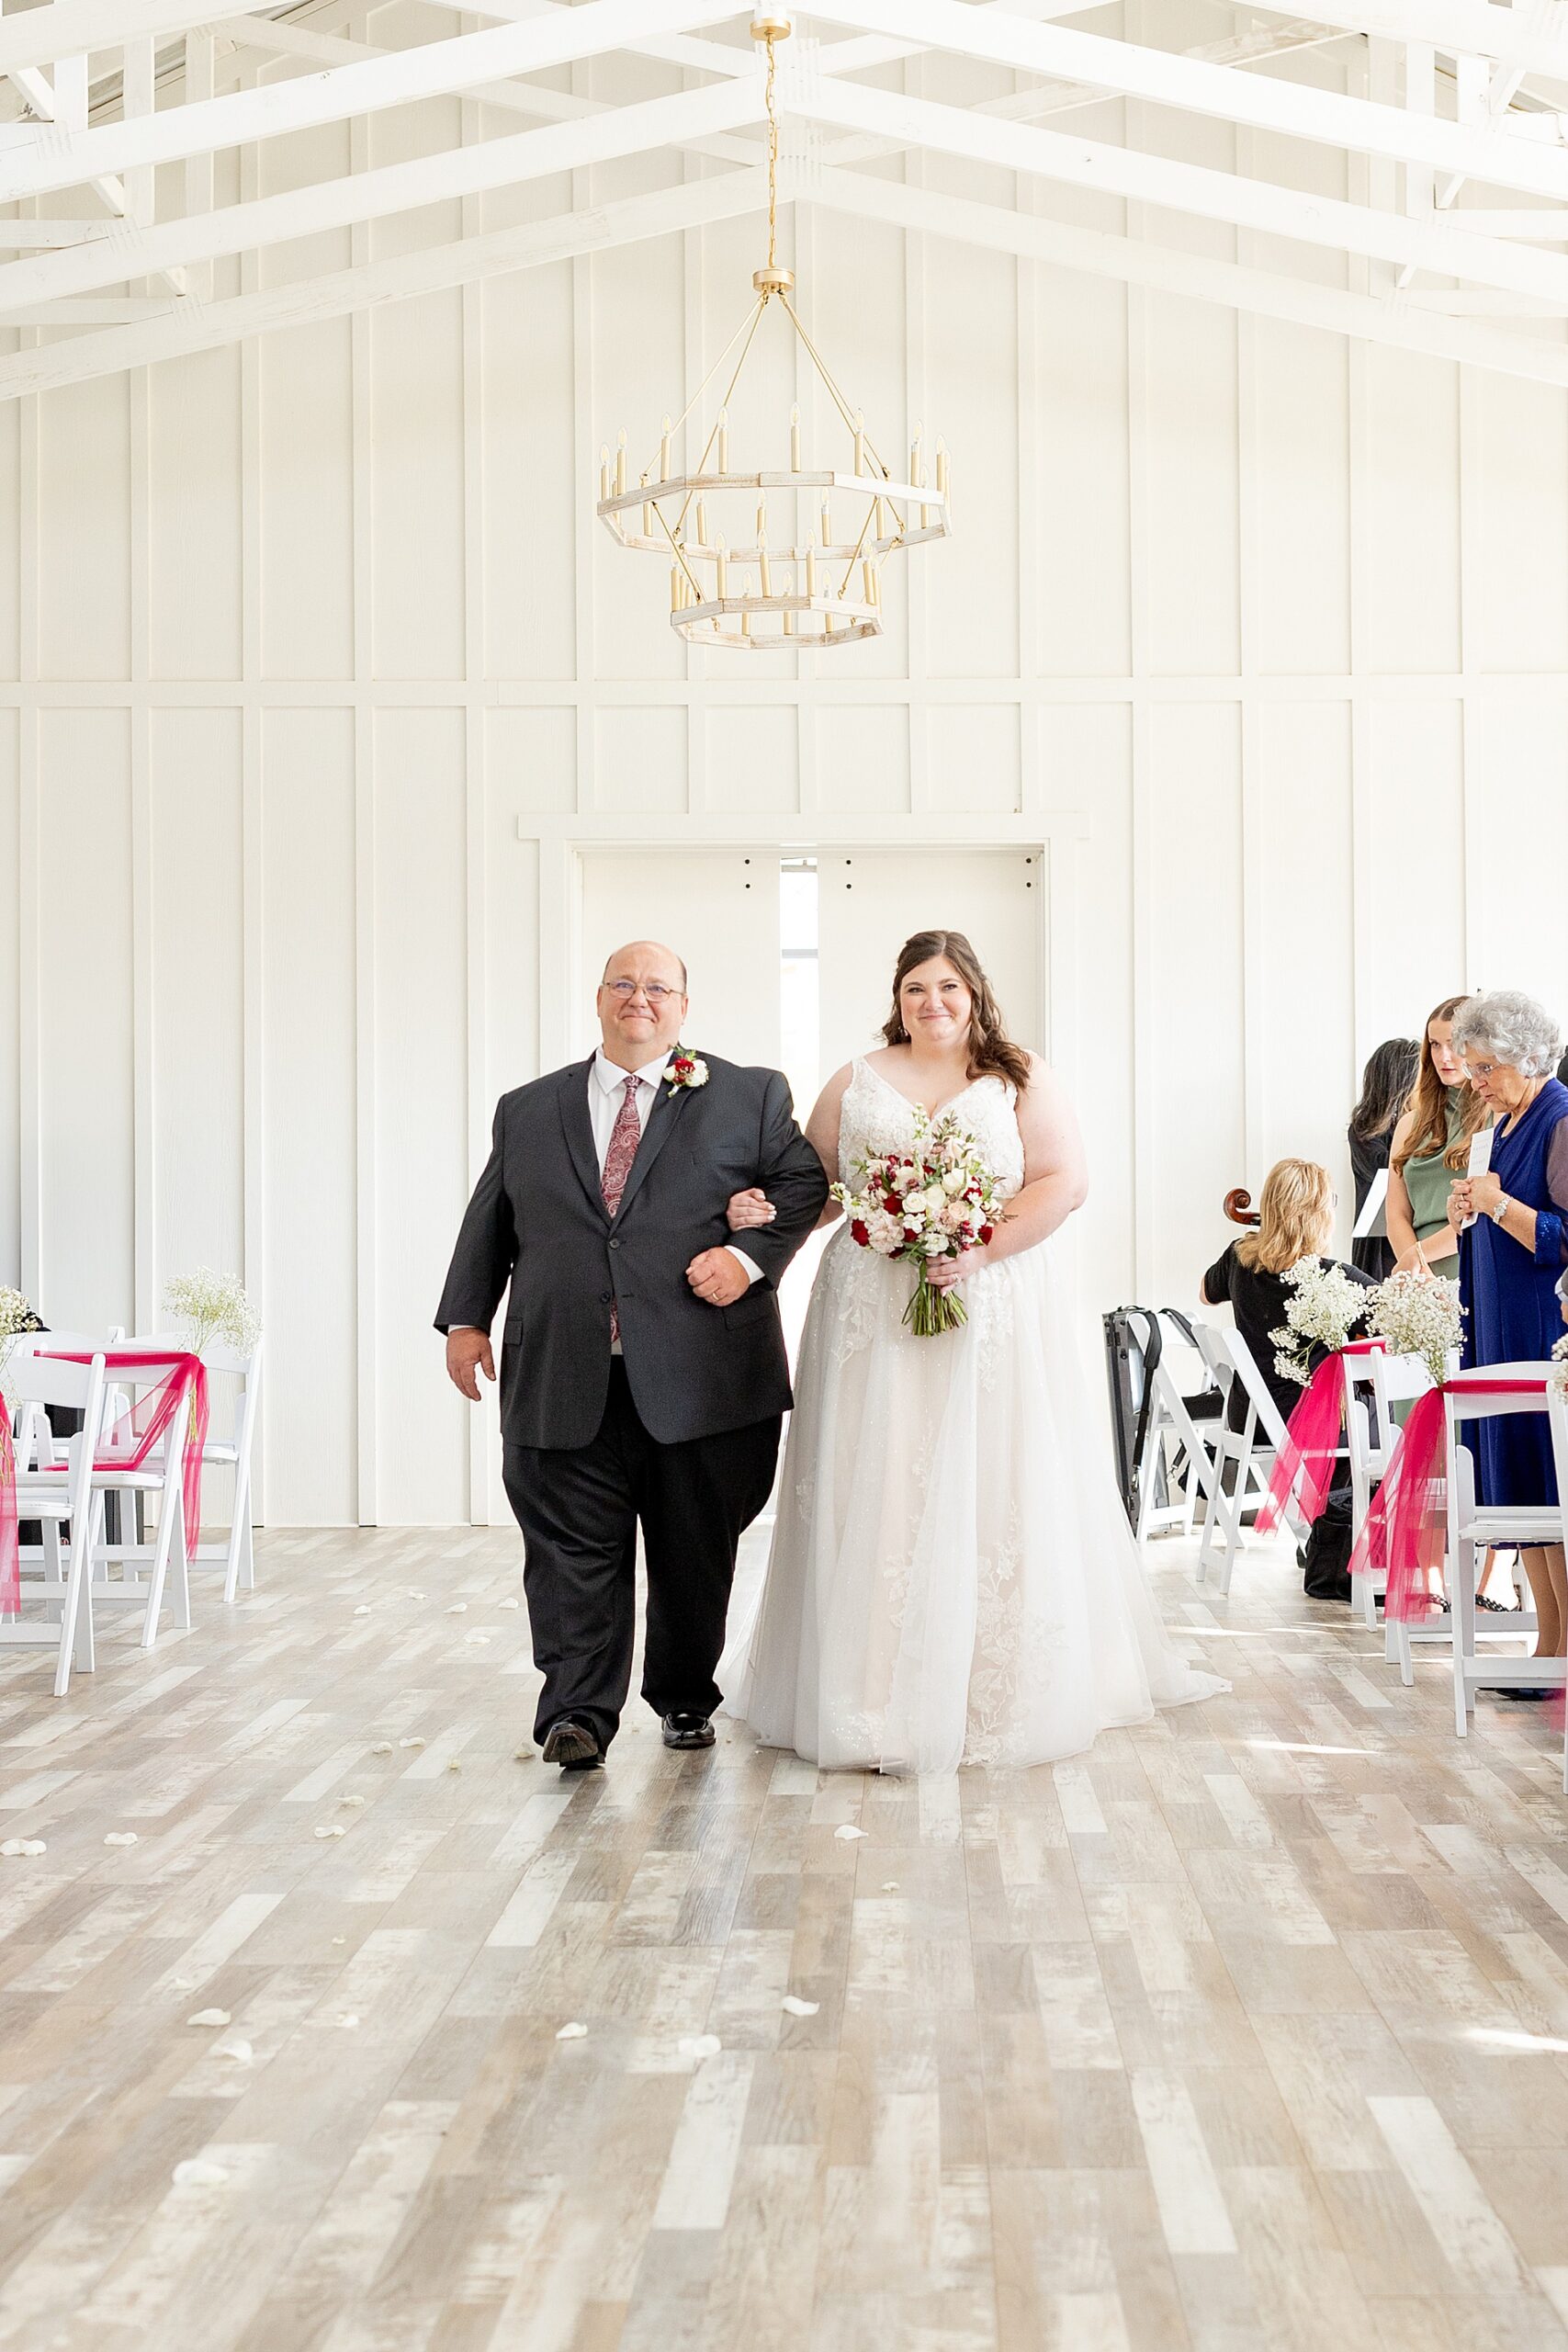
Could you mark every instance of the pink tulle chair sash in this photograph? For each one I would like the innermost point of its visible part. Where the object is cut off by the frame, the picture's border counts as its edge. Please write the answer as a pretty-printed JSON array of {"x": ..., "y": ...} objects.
[
  {"x": 1406, "y": 1535},
  {"x": 1304, "y": 1463},
  {"x": 134, "y": 1437},
  {"x": 10, "y": 1554}
]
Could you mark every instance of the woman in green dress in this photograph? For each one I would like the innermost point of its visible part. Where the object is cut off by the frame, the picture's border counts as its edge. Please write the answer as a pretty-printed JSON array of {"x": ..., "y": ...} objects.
[{"x": 1431, "y": 1146}]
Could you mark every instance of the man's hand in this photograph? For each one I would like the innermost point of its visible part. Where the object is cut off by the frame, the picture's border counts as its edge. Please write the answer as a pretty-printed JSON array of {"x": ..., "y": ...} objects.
[
  {"x": 468, "y": 1352},
  {"x": 717, "y": 1278}
]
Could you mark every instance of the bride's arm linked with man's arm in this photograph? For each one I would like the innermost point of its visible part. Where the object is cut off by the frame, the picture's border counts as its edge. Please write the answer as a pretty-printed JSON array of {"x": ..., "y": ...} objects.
[{"x": 753, "y": 1209}]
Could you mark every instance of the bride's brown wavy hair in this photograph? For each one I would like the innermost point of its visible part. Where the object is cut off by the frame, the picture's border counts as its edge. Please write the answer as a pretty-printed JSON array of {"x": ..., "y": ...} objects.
[{"x": 992, "y": 1053}]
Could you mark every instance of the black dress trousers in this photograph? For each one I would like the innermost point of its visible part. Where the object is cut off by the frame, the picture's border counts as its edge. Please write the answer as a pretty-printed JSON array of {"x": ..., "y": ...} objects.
[{"x": 579, "y": 1509}]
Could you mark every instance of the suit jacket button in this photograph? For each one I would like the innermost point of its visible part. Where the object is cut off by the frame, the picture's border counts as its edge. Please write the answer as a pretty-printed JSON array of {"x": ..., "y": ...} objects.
[
  {"x": 605, "y": 1296},
  {"x": 614, "y": 1245}
]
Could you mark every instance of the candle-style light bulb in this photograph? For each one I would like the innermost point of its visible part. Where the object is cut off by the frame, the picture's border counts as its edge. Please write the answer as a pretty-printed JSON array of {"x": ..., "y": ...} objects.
[
  {"x": 826, "y": 519},
  {"x": 942, "y": 468},
  {"x": 675, "y": 596},
  {"x": 702, "y": 523},
  {"x": 860, "y": 442},
  {"x": 811, "y": 565},
  {"x": 794, "y": 438},
  {"x": 723, "y": 586},
  {"x": 724, "y": 440},
  {"x": 664, "y": 453},
  {"x": 604, "y": 469},
  {"x": 914, "y": 458},
  {"x": 789, "y": 613},
  {"x": 868, "y": 575},
  {"x": 621, "y": 463}
]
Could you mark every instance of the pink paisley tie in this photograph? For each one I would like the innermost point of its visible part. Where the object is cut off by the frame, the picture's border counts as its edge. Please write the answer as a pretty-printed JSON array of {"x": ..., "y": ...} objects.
[{"x": 624, "y": 1138}]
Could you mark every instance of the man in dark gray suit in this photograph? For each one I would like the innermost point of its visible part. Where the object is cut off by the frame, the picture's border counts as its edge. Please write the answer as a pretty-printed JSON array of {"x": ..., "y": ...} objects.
[{"x": 643, "y": 1374}]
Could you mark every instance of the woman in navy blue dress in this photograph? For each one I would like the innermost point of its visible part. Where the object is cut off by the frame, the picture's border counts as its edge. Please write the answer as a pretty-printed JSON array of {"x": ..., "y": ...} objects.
[{"x": 1511, "y": 1259}]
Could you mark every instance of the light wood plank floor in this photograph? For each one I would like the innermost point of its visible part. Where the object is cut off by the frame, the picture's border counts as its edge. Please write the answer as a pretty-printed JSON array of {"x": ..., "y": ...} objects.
[{"x": 1249, "y": 2029}]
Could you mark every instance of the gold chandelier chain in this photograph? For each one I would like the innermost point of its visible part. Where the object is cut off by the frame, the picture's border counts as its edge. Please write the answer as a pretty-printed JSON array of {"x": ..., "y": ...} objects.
[{"x": 768, "y": 100}]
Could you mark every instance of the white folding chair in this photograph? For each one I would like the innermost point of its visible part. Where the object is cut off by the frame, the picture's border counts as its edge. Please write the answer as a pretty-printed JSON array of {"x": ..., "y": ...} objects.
[
  {"x": 1172, "y": 1435},
  {"x": 158, "y": 1480},
  {"x": 1474, "y": 1529},
  {"x": 1374, "y": 1383},
  {"x": 58, "y": 1498},
  {"x": 1250, "y": 1449},
  {"x": 229, "y": 1448},
  {"x": 1557, "y": 1409}
]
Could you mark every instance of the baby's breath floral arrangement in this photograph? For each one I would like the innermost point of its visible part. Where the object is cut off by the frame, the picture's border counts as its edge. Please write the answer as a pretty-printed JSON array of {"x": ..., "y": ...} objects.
[
  {"x": 1418, "y": 1315},
  {"x": 213, "y": 1307},
  {"x": 15, "y": 1317},
  {"x": 1323, "y": 1309},
  {"x": 1560, "y": 1362}
]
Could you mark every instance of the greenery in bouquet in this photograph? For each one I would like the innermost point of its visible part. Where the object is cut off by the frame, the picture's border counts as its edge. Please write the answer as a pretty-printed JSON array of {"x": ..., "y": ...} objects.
[
  {"x": 1322, "y": 1310},
  {"x": 936, "y": 1200},
  {"x": 213, "y": 1307},
  {"x": 1418, "y": 1315}
]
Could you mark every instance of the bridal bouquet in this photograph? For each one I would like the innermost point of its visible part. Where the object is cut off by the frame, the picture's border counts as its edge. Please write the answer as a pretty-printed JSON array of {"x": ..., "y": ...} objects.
[
  {"x": 1418, "y": 1315},
  {"x": 936, "y": 1200},
  {"x": 214, "y": 1307},
  {"x": 1325, "y": 1306}
]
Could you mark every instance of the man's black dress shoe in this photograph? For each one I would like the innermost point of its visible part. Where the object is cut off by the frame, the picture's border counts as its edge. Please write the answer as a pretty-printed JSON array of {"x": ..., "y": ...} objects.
[
  {"x": 1520, "y": 1690},
  {"x": 687, "y": 1730},
  {"x": 571, "y": 1746}
]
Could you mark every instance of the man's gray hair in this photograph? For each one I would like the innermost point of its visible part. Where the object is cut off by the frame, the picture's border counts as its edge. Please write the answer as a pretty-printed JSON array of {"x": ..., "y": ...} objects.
[{"x": 1510, "y": 1028}]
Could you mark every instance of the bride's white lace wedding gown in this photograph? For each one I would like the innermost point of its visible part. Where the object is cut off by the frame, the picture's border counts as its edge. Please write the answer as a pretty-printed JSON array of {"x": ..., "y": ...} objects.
[{"x": 952, "y": 1578}]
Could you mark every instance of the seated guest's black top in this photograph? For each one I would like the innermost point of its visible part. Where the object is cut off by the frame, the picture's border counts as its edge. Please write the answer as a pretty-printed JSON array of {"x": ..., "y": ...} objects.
[{"x": 1257, "y": 1299}]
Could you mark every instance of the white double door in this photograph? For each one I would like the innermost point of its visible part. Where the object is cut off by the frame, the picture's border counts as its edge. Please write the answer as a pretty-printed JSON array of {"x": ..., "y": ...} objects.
[{"x": 719, "y": 908}]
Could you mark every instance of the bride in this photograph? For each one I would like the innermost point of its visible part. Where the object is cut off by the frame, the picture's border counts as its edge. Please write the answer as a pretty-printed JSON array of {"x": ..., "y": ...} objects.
[{"x": 952, "y": 1579}]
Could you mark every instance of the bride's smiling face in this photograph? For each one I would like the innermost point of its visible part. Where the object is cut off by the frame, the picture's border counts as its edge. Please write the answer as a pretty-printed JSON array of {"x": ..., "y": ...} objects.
[{"x": 935, "y": 1006}]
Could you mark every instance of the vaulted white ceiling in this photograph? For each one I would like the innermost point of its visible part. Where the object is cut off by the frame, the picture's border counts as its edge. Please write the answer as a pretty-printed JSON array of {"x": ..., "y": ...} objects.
[{"x": 1453, "y": 115}]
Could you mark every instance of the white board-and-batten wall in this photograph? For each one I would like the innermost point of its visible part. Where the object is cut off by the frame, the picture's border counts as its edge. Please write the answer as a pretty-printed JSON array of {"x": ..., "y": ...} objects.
[{"x": 316, "y": 671}]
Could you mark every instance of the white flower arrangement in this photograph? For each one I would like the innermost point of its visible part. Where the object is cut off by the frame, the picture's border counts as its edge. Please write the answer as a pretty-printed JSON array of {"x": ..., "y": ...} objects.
[
  {"x": 1559, "y": 1363},
  {"x": 1418, "y": 1315},
  {"x": 1325, "y": 1307},
  {"x": 213, "y": 1307},
  {"x": 15, "y": 1317}
]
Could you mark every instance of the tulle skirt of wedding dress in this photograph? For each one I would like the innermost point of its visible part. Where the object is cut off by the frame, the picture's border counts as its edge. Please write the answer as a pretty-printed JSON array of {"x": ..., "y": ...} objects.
[{"x": 952, "y": 1578}]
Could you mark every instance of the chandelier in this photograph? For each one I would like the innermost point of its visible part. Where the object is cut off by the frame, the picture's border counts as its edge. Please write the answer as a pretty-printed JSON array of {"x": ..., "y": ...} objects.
[{"x": 739, "y": 585}]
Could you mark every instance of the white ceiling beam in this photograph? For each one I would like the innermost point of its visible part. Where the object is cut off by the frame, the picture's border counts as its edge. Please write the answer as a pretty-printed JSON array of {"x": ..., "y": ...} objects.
[
  {"x": 1262, "y": 102},
  {"x": 434, "y": 70},
  {"x": 100, "y": 310},
  {"x": 284, "y": 37},
  {"x": 1133, "y": 261},
  {"x": 1530, "y": 38},
  {"x": 1548, "y": 225},
  {"x": 76, "y": 28},
  {"x": 1301, "y": 302},
  {"x": 1065, "y": 98},
  {"x": 399, "y": 277},
  {"x": 1139, "y": 178},
  {"x": 46, "y": 235},
  {"x": 134, "y": 252}
]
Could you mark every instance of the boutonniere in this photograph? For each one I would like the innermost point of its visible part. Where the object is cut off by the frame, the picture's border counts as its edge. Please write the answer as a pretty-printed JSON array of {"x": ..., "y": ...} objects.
[{"x": 685, "y": 1069}]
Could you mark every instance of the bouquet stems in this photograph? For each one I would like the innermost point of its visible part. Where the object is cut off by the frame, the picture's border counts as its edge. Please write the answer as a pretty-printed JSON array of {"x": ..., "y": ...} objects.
[{"x": 930, "y": 1311}]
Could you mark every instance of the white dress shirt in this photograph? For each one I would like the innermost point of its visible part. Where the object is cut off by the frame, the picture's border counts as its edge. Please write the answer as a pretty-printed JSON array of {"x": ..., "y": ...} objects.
[{"x": 606, "y": 1082}]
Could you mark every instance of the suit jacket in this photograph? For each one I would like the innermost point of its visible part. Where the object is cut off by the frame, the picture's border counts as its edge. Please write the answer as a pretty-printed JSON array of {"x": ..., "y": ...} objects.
[{"x": 537, "y": 1221}]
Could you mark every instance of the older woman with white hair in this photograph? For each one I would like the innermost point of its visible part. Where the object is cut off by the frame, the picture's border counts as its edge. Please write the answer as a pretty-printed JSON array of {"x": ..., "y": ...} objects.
[{"x": 1512, "y": 1257}]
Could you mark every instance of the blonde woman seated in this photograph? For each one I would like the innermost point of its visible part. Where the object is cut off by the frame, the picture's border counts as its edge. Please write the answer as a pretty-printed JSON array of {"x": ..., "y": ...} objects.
[
  {"x": 1296, "y": 1221},
  {"x": 1430, "y": 1148}
]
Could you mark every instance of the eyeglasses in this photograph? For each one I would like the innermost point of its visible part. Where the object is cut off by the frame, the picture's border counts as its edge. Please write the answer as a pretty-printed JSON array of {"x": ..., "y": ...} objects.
[{"x": 656, "y": 992}]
